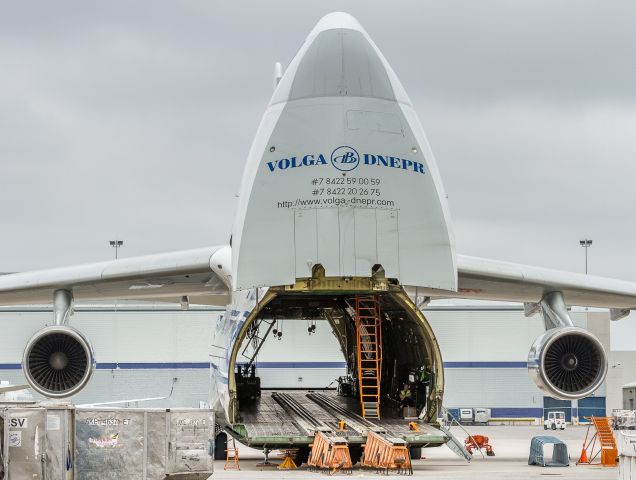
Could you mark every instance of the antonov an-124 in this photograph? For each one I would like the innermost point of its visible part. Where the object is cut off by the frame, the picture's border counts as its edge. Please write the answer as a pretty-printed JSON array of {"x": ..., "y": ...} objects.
[{"x": 342, "y": 216}]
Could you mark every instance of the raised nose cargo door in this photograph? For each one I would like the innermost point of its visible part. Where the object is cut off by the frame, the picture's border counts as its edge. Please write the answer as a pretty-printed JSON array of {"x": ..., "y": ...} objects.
[
  {"x": 338, "y": 156},
  {"x": 346, "y": 240}
]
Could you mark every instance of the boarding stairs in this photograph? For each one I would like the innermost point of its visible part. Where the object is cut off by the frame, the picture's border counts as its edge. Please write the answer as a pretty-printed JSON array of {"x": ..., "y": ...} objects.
[
  {"x": 601, "y": 442},
  {"x": 454, "y": 444},
  {"x": 369, "y": 348}
]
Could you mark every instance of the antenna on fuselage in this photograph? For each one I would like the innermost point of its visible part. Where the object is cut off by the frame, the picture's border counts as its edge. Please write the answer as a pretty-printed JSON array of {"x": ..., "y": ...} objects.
[{"x": 278, "y": 73}]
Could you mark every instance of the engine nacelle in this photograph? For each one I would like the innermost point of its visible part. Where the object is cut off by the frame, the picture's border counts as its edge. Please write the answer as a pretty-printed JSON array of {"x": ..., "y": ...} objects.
[
  {"x": 58, "y": 361},
  {"x": 568, "y": 363}
]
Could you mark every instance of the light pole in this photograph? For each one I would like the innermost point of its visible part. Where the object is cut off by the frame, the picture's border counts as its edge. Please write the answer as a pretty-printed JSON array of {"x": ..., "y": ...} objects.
[
  {"x": 116, "y": 244},
  {"x": 585, "y": 243}
]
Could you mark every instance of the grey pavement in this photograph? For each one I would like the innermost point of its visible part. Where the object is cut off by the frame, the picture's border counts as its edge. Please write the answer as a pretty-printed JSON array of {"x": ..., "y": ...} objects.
[{"x": 511, "y": 446}]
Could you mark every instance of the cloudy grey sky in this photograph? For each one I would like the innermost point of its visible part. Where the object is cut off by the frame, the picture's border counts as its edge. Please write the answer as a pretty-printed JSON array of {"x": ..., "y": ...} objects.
[{"x": 133, "y": 120}]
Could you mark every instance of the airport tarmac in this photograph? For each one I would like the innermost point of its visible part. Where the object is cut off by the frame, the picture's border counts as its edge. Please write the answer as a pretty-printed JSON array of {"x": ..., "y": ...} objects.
[{"x": 511, "y": 446}]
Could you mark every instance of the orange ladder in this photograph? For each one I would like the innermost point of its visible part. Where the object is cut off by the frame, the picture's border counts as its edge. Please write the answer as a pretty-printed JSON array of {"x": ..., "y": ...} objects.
[
  {"x": 369, "y": 343},
  {"x": 606, "y": 443},
  {"x": 232, "y": 457}
]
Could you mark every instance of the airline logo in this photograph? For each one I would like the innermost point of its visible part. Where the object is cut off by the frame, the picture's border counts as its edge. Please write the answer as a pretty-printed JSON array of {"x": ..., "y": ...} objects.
[{"x": 346, "y": 159}]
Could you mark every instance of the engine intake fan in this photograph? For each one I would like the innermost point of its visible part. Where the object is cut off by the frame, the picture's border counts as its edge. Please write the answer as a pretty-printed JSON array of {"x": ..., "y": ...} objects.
[
  {"x": 568, "y": 363},
  {"x": 58, "y": 361}
]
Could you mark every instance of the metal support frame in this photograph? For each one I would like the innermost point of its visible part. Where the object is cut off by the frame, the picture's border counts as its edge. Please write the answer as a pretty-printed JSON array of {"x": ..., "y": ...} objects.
[
  {"x": 62, "y": 306},
  {"x": 554, "y": 311},
  {"x": 185, "y": 303},
  {"x": 260, "y": 340},
  {"x": 266, "y": 462},
  {"x": 618, "y": 313}
]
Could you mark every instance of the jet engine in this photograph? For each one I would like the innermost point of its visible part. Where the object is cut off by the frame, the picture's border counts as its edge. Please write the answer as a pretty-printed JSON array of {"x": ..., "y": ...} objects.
[
  {"x": 568, "y": 363},
  {"x": 58, "y": 361}
]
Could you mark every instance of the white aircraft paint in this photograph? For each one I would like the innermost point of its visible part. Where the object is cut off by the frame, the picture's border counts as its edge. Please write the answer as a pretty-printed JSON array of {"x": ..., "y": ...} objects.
[{"x": 341, "y": 174}]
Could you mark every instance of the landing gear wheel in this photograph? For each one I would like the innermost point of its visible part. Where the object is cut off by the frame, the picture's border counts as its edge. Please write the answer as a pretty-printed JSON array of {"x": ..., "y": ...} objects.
[
  {"x": 356, "y": 454},
  {"x": 302, "y": 455},
  {"x": 220, "y": 445},
  {"x": 416, "y": 453}
]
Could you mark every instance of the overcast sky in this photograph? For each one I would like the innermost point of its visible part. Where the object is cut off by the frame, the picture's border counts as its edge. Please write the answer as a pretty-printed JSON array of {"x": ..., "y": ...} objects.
[{"x": 133, "y": 120}]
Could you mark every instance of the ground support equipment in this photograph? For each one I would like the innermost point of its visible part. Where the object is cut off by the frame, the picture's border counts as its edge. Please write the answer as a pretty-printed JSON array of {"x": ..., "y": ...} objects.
[
  {"x": 601, "y": 442},
  {"x": 477, "y": 442},
  {"x": 329, "y": 454},
  {"x": 560, "y": 456},
  {"x": 232, "y": 458},
  {"x": 386, "y": 453},
  {"x": 288, "y": 462}
]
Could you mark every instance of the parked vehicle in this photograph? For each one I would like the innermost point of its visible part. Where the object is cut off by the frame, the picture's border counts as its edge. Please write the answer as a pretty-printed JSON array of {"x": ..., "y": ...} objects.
[
  {"x": 482, "y": 416},
  {"x": 555, "y": 420},
  {"x": 466, "y": 416},
  {"x": 624, "y": 419}
]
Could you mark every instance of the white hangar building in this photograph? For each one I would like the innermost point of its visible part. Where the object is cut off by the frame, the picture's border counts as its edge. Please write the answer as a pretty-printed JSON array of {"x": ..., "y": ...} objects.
[{"x": 161, "y": 351}]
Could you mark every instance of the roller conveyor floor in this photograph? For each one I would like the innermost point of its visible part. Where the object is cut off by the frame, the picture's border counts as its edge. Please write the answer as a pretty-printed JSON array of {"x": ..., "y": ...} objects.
[{"x": 291, "y": 418}]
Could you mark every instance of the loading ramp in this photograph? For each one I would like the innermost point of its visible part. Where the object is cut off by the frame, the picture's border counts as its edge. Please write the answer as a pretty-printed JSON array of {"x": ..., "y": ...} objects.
[{"x": 291, "y": 419}]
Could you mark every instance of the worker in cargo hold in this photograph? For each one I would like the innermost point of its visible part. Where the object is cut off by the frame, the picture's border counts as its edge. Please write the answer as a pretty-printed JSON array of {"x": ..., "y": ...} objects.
[
  {"x": 406, "y": 399},
  {"x": 424, "y": 381},
  {"x": 425, "y": 375}
]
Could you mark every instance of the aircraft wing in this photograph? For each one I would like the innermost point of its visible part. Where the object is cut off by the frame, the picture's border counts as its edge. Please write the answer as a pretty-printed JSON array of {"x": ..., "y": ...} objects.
[
  {"x": 117, "y": 402},
  {"x": 485, "y": 279},
  {"x": 12, "y": 388},
  {"x": 201, "y": 274}
]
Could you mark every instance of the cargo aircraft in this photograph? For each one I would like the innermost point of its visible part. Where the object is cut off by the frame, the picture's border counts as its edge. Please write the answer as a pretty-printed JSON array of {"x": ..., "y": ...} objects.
[{"x": 341, "y": 216}]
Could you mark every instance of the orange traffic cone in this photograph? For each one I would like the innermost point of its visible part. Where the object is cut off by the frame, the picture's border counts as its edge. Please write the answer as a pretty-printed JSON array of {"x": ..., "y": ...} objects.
[{"x": 583, "y": 458}]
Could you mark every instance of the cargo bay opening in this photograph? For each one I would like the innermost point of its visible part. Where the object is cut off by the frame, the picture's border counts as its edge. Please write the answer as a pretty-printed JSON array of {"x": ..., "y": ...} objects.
[{"x": 386, "y": 342}]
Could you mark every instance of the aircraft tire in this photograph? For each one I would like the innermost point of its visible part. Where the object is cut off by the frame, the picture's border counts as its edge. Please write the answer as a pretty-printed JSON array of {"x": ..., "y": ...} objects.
[
  {"x": 302, "y": 455},
  {"x": 356, "y": 454},
  {"x": 416, "y": 453},
  {"x": 220, "y": 444}
]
